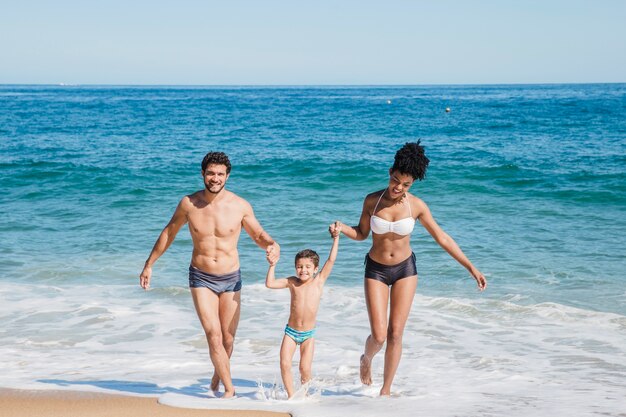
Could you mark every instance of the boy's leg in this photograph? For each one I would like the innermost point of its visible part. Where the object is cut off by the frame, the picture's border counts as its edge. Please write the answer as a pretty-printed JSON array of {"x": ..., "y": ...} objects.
[
  {"x": 207, "y": 307},
  {"x": 306, "y": 359},
  {"x": 229, "y": 311},
  {"x": 402, "y": 294},
  {"x": 287, "y": 349},
  {"x": 376, "y": 298}
]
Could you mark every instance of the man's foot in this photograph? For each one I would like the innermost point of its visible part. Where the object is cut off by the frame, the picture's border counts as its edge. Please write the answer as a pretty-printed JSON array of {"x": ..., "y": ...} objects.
[
  {"x": 229, "y": 394},
  {"x": 215, "y": 382},
  {"x": 366, "y": 371},
  {"x": 384, "y": 392}
]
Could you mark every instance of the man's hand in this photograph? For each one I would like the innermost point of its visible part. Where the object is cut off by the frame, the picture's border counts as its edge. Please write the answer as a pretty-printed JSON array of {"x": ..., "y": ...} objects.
[
  {"x": 144, "y": 277},
  {"x": 272, "y": 253}
]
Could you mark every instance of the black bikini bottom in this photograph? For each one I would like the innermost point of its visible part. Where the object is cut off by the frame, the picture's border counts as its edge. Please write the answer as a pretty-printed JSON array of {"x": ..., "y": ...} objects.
[{"x": 389, "y": 274}]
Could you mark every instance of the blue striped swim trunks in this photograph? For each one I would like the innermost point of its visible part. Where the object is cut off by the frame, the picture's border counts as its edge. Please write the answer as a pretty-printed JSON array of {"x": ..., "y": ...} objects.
[{"x": 298, "y": 336}]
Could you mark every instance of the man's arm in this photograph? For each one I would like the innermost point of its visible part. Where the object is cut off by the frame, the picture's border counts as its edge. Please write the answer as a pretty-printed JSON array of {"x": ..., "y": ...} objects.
[
  {"x": 163, "y": 242},
  {"x": 332, "y": 256},
  {"x": 254, "y": 229}
]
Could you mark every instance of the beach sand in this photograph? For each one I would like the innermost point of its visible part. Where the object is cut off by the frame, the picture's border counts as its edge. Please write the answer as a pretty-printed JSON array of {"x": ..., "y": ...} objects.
[{"x": 27, "y": 403}]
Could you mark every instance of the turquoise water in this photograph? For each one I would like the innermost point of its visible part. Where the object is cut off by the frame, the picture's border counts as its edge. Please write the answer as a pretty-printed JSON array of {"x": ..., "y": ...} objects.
[{"x": 530, "y": 180}]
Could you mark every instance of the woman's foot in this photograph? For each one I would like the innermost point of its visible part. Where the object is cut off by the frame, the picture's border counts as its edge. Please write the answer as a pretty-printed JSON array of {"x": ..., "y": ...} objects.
[{"x": 366, "y": 370}]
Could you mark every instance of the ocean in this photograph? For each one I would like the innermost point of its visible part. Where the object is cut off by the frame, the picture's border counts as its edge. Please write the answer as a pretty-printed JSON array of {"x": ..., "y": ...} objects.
[{"x": 530, "y": 180}]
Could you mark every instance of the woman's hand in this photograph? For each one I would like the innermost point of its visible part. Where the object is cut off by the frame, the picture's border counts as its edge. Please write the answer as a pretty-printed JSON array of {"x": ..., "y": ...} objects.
[
  {"x": 481, "y": 281},
  {"x": 335, "y": 229}
]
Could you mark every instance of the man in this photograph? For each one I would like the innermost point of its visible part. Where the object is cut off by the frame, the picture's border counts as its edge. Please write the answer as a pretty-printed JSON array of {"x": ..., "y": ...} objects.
[{"x": 215, "y": 216}]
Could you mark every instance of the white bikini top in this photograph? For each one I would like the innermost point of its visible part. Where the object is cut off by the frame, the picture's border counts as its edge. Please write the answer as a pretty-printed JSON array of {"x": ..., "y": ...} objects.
[{"x": 402, "y": 227}]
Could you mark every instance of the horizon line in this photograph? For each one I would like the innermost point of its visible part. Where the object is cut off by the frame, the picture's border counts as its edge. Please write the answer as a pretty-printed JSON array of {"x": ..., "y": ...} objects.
[{"x": 69, "y": 84}]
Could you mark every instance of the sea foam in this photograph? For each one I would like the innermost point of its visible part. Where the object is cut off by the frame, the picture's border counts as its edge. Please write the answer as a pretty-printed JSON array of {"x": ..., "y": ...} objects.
[{"x": 468, "y": 356}]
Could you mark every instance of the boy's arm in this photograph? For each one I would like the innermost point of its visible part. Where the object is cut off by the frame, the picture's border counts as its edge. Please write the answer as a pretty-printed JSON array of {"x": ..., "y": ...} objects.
[
  {"x": 328, "y": 266},
  {"x": 272, "y": 282}
]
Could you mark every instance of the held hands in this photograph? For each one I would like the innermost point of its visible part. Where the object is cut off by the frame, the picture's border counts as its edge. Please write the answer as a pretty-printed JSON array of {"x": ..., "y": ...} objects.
[
  {"x": 335, "y": 229},
  {"x": 272, "y": 253},
  {"x": 144, "y": 277},
  {"x": 269, "y": 261}
]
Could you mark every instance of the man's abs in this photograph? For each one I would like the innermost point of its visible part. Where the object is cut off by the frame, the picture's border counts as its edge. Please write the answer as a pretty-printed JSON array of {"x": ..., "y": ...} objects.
[{"x": 216, "y": 263}]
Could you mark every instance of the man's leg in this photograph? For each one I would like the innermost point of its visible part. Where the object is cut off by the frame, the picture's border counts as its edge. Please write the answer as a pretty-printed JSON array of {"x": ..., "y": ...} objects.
[
  {"x": 207, "y": 305},
  {"x": 229, "y": 311}
]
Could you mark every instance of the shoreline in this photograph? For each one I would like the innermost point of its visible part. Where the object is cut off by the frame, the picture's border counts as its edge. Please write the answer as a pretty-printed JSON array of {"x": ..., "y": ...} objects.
[{"x": 60, "y": 403}]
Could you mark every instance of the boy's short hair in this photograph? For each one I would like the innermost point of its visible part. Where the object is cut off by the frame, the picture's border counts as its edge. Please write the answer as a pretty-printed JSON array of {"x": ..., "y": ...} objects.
[
  {"x": 310, "y": 254},
  {"x": 218, "y": 158}
]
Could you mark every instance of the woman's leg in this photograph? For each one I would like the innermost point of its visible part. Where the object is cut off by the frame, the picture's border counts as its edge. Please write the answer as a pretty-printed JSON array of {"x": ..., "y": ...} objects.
[
  {"x": 402, "y": 294},
  {"x": 376, "y": 298}
]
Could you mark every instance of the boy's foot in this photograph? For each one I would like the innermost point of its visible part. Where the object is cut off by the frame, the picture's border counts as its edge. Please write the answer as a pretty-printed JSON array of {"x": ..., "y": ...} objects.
[
  {"x": 366, "y": 371},
  {"x": 215, "y": 382}
]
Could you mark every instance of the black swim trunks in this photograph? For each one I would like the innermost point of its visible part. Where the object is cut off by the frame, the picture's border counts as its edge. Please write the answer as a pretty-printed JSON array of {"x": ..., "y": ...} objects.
[
  {"x": 230, "y": 282},
  {"x": 389, "y": 274}
]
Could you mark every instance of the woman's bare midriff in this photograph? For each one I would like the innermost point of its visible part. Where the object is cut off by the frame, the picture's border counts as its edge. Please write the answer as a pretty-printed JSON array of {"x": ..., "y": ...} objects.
[{"x": 390, "y": 249}]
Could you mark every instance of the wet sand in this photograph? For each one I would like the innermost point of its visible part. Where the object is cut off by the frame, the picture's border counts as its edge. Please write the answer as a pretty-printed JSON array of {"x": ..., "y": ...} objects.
[{"x": 27, "y": 403}]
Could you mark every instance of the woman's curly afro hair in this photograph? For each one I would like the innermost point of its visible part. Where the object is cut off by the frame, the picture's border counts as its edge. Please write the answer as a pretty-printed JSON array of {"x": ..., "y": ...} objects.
[{"x": 411, "y": 160}]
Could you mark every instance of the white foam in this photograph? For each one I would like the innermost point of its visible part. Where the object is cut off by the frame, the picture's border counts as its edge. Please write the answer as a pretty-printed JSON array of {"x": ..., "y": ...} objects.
[{"x": 475, "y": 356}]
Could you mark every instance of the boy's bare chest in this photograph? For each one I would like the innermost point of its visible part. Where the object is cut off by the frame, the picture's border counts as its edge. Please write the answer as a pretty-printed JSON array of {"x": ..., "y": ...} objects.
[{"x": 307, "y": 294}]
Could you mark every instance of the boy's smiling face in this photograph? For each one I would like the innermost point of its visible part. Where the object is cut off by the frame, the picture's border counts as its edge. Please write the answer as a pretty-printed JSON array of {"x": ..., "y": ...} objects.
[{"x": 305, "y": 269}]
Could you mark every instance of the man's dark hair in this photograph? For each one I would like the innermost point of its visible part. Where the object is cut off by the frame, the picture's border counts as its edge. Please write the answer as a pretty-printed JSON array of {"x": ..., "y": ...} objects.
[
  {"x": 219, "y": 158},
  {"x": 308, "y": 253},
  {"x": 411, "y": 160}
]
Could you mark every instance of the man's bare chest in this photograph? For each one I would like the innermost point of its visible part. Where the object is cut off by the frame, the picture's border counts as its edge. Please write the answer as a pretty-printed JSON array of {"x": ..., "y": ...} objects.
[{"x": 214, "y": 222}]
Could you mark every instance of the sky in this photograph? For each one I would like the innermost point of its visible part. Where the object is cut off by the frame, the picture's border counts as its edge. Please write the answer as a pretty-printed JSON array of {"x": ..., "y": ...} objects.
[{"x": 315, "y": 42}]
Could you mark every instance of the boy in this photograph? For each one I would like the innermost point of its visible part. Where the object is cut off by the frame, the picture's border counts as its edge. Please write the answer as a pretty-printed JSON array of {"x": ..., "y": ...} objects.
[{"x": 306, "y": 292}]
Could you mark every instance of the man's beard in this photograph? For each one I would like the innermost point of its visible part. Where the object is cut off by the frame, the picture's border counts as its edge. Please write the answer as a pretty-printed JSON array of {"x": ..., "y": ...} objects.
[{"x": 208, "y": 188}]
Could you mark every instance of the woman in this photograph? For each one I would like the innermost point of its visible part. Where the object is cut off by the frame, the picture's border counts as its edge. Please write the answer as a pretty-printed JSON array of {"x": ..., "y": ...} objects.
[{"x": 390, "y": 270}]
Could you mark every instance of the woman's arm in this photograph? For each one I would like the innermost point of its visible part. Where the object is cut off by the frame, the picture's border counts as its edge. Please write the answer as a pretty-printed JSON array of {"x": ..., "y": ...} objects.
[
  {"x": 360, "y": 231},
  {"x": 448, "y": 244}
]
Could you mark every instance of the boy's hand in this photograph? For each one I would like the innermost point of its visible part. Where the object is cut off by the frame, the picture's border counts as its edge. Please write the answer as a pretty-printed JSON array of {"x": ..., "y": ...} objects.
[
  {"x": 273, "y": 252},
  {"x": 335, "y": 229},
  {"x": 271, "y": 260}
]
